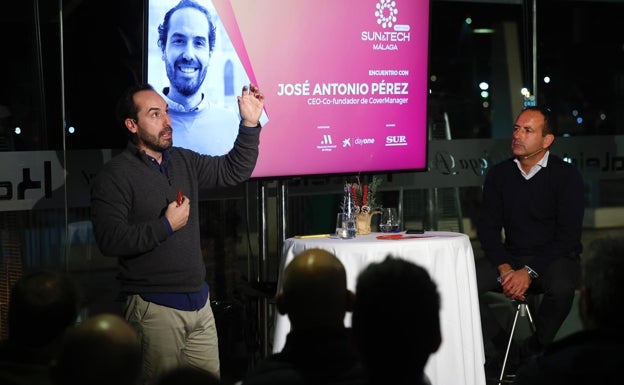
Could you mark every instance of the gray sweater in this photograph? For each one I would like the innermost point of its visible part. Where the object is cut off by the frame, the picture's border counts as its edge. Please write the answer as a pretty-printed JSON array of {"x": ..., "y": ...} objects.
[{"x": 129, "y": 195}]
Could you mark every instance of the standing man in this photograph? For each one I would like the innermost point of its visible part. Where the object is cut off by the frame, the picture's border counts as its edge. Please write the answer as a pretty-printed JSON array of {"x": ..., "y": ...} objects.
[
  {"x": 144, "y": 207},
  {"x": 530, "y": 231},
  {"x": 187, "y": 38}
]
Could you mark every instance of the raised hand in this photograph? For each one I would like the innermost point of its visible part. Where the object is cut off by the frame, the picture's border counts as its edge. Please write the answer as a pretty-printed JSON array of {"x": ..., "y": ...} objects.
[{"x": 250, "y": 105}]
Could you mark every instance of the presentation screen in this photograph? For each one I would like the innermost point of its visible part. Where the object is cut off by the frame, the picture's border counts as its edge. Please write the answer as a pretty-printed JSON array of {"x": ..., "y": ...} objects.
[{"x": 345, "y": 81}]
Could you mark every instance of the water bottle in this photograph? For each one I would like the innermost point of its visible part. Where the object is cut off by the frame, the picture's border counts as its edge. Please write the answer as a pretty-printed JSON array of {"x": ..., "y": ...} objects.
[
  {"x": 348, "y": 204},
  {"x": 348, "y": 209}
]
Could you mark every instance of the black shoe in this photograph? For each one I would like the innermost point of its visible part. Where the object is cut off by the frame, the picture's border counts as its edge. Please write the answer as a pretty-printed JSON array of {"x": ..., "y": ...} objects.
[
  {"x": 514, "y": 360},
  {"x": 494, "y": 366},
  {"x": 492, "y": 369},
  {"x": 493, "y": 373},
  {"x": 520, "y": 352}
]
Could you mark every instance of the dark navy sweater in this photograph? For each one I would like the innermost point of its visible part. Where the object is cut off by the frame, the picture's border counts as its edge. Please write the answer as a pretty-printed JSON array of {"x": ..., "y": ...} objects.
[{"x": 541, "y": 217}]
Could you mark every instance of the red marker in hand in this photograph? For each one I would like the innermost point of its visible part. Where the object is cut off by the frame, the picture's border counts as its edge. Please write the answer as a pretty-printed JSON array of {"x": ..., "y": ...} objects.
[{"x": 179, "y": 199}]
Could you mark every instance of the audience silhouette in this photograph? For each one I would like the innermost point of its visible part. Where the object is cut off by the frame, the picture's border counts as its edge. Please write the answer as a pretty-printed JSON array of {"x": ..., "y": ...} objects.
[
  {"x": 43, "y": 305},
  {"x": 396, "y": 324},
  {"x": 103, "y": 350},
  {"x": 594, "y": 354},
  {"x": 188, "y": 375},
  {"x": 318, "y": 348}
]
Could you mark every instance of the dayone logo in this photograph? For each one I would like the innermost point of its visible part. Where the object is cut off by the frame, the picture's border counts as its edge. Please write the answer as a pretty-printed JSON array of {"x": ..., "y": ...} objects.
[{"x": 386, "y": 13}]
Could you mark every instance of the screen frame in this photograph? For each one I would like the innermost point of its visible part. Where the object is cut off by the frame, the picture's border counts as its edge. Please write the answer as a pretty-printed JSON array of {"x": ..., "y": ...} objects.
[{"x": 299, "y": 173}]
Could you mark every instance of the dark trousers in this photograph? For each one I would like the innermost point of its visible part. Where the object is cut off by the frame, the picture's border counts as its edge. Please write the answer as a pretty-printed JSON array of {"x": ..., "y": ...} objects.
[{"x": 557, "y": 284}]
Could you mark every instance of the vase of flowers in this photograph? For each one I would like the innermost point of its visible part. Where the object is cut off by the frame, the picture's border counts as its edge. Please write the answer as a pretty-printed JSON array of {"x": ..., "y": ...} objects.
[{"x": 364, "y": 200}]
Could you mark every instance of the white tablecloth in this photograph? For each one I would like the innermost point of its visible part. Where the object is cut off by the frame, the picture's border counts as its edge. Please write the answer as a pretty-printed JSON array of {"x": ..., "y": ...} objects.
[{"x": 449, "y": 259}]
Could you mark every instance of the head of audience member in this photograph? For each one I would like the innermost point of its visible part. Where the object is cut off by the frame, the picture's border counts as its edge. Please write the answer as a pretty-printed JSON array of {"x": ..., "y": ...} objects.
[
  {"x": 395, "y": 324},
  {"x": 602, "y": 288},
  {"x": 314, "y": 291},
  {"x": 186, "y": 38},
  {"x": 187, "y": 375},
  {"x": 103, "y": 350},
  {"x": 42, "y": 306}
]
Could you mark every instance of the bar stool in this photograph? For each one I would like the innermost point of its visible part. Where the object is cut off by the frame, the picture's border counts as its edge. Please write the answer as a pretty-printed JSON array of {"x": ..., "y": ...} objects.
[{"x": 522, "y": 310}]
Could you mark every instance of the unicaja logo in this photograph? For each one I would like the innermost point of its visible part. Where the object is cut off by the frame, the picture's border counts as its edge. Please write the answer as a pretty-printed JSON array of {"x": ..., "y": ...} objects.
[{"x": 386, "y": 13}]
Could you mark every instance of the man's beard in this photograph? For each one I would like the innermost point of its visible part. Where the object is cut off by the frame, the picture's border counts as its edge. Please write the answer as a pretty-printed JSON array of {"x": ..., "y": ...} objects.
[
  {"x": 155, "y": 143},
  {"x": 185, "y": 86}
]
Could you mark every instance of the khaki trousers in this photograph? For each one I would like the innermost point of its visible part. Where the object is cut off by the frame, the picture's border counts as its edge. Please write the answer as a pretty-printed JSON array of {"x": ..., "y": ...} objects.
[{"x": 172, "y": 338}]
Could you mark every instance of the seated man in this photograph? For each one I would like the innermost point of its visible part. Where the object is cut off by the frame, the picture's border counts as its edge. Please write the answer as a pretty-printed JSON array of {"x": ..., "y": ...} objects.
[
  {"x": 315, "y": 297},
  {"x": 103, "y": 350},
  {"x": 42, "y": 306},
  {"x": 188, "y": 375},
  {"x": 396, "y": 321},
  {"x": 593, "y": 355},
  {"x": 536, "y": 200}
]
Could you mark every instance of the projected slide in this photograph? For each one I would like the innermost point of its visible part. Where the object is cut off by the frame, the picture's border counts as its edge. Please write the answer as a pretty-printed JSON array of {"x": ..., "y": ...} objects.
[{"x": 345, "y": 81}]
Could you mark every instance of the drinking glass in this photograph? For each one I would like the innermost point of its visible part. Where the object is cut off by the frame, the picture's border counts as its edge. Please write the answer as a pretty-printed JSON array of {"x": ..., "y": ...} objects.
[
  {"x": 389, "y": 222},
  {"x": 345, "y": 226}
]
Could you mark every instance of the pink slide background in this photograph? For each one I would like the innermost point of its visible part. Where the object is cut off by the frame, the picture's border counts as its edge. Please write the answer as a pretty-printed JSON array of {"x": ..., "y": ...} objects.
[{"x": 292, "y": 48}]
